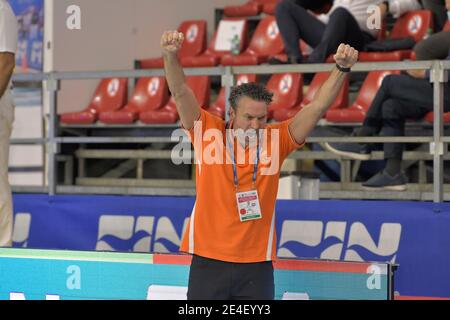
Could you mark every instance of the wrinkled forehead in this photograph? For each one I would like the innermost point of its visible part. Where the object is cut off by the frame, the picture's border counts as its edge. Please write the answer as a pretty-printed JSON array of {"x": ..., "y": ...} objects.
[{"x": 249, "y": 106}]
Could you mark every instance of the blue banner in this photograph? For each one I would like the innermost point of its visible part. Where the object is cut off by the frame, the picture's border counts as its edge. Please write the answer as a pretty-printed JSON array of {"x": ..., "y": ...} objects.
[
  {"x": 414, "y": 235},
  {"x": 30, "y": 18}
]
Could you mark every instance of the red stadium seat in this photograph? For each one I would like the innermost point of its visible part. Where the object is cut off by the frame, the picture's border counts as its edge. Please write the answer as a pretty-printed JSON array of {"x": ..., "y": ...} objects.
[
  {"x": 149, "y": 94},
  {"x": 211, "y": 57},
  {"x": 411, "y": 24},
  {"x": 219, "y": 106},
  {"x": 266, "y": 42},
  {"x": 287, "y": 91},
  {"x": 357, "y": 111},
  {"x": 111, "y": 94},
  {"x": 317, "y": 82},
  {"x": 250, "y": 8},
  {"x": 429, "y": 117},
  {"x": 269, "y": 8},
  {"x": 200, "y": 85},
  {"x": 447, "y": 26},
  {"x": 194, "y": 44}
]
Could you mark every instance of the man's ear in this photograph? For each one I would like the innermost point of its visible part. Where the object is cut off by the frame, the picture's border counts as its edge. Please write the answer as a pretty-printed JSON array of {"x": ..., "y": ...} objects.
[{"x": 232, "y": 113}]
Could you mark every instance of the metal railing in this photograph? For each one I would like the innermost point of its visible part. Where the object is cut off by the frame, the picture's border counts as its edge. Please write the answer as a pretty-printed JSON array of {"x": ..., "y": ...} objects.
[{"x": 438, "y": 143}]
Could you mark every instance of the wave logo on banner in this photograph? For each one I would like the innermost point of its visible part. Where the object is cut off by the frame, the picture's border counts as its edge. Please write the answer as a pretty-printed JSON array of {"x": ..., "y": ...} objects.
[
  {"x": 21, "y": 232},
  {"x": 338, "y": 240},
  {"x": 138, "y": 234}
]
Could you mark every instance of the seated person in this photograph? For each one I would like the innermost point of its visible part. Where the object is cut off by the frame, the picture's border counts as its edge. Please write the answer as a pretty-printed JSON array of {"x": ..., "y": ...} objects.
[
  {"x": 400, "y": 97},
  {"x": 346, "y": 21}
]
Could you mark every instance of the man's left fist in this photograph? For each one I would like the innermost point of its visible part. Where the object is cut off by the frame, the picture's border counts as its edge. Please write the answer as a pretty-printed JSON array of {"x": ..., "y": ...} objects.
[{"x": 346, "y": 56}]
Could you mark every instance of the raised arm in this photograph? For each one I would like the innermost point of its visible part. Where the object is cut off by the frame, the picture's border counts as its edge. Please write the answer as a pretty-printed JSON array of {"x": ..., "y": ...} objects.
[
  {"x": 187, "y": 105},
  {"x": 305, "y": 120}
]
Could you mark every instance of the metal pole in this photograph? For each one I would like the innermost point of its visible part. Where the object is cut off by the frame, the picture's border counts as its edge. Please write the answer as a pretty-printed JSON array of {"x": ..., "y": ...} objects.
[
  {"x": 437, "y": 146},
  {"x": 227, "y": 82},
  {"x": 52, "y": 85}
]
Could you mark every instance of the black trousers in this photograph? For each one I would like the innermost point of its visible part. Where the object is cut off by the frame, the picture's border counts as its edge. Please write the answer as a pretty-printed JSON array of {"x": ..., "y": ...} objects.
[
  {"x": 218, "y": 280},
  {"x": 296, "y": 23},
  {"x": 400, "y": 98}
]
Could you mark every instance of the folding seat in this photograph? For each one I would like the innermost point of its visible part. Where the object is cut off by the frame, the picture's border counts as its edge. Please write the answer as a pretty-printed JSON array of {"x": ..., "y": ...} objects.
[
  {"x": 269, "y": 7},
  {"x": 317, "y": 82},
  {"x": 411, "y": 24},
  {"x": 357, "y": 111},
  {"x": 287, "y": 91},
  {"x": 150, "y": 94},
  {"x": 429, "y": 117},
  {"x": 266, "y": 42},
  {"x": 220, "y": 44},
  {"x": 447, "y": 26},
  {"x": 200, "y": 85},
  {"x": 194, "y": 43},
  {"x": 219, "y": 106},
  {"x": 111, "y": 94},
  {"x": 249, "y": 9}
]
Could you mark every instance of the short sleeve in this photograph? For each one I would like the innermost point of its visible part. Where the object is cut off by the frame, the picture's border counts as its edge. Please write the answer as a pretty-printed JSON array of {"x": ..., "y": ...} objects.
[
  {"x": 204, "y": 122},
  {"x": 287, "y": 143}
]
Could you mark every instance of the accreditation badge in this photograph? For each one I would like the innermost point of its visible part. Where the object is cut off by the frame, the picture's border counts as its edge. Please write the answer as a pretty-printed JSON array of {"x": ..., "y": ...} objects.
[{"x": 248, "y": 205}]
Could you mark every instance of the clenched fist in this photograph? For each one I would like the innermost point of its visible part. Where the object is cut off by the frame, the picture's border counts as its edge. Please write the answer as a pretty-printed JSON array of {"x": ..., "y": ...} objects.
[
  {"x": 171, "y": 41},
  {"x": 346, "y": 56}
]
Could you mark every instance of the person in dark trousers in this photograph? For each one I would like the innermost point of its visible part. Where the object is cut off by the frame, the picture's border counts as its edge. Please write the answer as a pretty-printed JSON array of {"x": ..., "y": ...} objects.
[
  {"x": 400, "y": 97},
  {"x": 346, "y": 21},
  {"x": 437, "y": 7},
  {"x": 437, "y": 44}
]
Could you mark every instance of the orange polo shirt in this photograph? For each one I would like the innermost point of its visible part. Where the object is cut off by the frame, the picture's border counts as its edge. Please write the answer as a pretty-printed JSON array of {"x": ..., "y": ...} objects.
[{"x": 215, "y": 230}]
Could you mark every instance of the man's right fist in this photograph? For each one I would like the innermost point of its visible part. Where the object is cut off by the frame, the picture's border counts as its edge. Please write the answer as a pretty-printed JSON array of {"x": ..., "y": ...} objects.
[{"x": 171, "y": 41}]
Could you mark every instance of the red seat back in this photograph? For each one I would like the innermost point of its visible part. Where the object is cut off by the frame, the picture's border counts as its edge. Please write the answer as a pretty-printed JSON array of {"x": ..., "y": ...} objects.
[
  {"x": 412, "y": 24},
  {"x": 110, "y": 95},
  {"x": 382, "y": 33},
  {"x": 287, "y": 90},
  {"x": 266, "y": 40},
  {"x": 370, "y": 88},
  {"x": 201, "y": 86},
  {"x": 447, "y": 26},
  {"x": 194, "y": 38},
  {"x": 150, "y": 94},
  {"x": 341, "y": 100}
]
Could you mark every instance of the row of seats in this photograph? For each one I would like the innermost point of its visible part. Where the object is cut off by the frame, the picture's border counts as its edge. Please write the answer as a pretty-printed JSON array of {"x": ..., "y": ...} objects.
[
  {"x": 150, "y": 102},
  {"x": 266, "y": 42},
  {"x": 251, "y": 8}
]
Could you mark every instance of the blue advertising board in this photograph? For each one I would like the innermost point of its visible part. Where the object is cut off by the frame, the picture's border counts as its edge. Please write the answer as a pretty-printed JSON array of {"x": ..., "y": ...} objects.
[
  {"x": 414, "y": 235},
  {"x": 30, "y": 18}
]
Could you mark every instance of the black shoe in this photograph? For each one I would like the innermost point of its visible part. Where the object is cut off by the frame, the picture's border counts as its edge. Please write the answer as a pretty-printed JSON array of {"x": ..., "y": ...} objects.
[
  {"x": 382, "y": 180},
  {"x": 356, "y": 151}
]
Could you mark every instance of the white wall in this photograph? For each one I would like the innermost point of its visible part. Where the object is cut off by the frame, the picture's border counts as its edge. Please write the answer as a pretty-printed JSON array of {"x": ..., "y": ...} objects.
[{"x": 113, "y": 34}]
